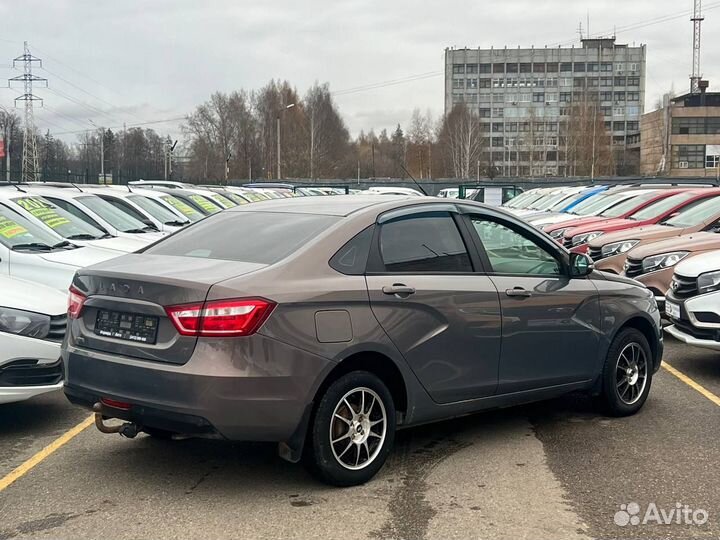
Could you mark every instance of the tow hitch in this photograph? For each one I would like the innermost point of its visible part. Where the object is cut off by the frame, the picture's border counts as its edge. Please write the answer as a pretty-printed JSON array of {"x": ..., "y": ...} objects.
[{"x": 127, "y": 429}]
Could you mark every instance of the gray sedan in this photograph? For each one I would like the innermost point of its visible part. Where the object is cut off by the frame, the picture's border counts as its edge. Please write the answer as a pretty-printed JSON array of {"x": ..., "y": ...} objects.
[{"x": 326, "y": 323}]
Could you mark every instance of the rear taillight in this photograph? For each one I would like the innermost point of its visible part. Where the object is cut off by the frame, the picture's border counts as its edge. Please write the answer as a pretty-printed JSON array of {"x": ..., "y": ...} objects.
[
  {"x": 220, "y": 318},
  {"x": 115, "y": 404},
  {"x": 76, "y": 300}
]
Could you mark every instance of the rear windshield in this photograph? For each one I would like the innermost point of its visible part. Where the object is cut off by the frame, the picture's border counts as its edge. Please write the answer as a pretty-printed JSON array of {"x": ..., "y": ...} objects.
[
  {"x": 255, "y": 237},
  {"x": 627, "y": 206},
  {"x": 660, "y": 207}
]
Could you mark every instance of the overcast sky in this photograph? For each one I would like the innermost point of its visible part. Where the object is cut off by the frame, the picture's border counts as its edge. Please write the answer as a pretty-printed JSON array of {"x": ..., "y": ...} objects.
[{"x": 132, "y": 61}]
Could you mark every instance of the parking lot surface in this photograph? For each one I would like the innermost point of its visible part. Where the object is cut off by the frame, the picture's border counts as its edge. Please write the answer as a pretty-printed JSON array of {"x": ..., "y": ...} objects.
[{"x": 551, "y": 470}]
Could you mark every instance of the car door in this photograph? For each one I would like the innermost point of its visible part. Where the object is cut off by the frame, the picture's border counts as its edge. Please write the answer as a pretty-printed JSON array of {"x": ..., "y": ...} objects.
[
  {"x": 442, "y": 316},
  {"x": 550, "y": 321}
]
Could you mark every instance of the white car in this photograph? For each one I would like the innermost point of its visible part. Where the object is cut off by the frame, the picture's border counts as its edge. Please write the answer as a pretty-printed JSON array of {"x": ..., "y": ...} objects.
[
  {"x": 198, "y": 195},
  {"x": 72, "y": 228},
  {"x": 34, "y": 253},
  {"x": 32, "y": 325},
  {"x": 91, "y": 208},
  {"x": 143, "y": 205},
  {"x": 382, "y": 190},
  {"x": 693, "y": 302}
]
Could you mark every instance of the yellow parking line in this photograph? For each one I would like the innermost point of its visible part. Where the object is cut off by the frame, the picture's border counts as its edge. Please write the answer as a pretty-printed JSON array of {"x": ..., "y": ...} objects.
[
  {"x": 46, "y": 452},
  {"x": 692, "y": 384}
]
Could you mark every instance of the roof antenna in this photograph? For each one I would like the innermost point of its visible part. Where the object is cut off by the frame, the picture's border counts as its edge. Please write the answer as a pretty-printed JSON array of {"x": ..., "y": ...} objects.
[
  {"x": 76, "y": 187},
  {"x": 413, "y": 179},
  {"x": 13, "y": 184}
]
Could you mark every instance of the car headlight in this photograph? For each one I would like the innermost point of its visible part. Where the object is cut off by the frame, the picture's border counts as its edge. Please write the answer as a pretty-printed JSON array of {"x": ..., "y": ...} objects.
[
  {"x": 708, "y": 282},
  {"x": 665, "y": 260},
  {"x": 557, "y": 233},
  {"x": 618, "y": 247},
  {"x": 585, "y": 238},
  {"x": 24, "y": 323}
]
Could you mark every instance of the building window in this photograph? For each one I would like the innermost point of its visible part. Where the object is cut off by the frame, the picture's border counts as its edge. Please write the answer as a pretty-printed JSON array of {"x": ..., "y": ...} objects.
[
  {"x": 498, "y": 83},
  {"x": 695, "y": 126},
  {"x": 471, "y": 98},
  {"x": 712, "y": 161},
  {"x": 512, "y": 127},
  {"x": 620, "y": 68},
  {"x": 606, "y": 82},
  {"x": 606, "y": 67},
  {"x": 619, "y": 96},
  {"x": 511, "y": 141},
  {"x": 497, "y": 112},
  {"x": 579, "y": 82},
  {"x": 633, "y": 68},
  {"x": 633, "y": 96},
  {"x": 484, "y": 113},
  {"x": 633, "y": 81},
  {"x": 633, "y": 110},
  {"x": 552, "y": 67},
  {"x": 484, "y": 83},
  {"x": 551, "y": 97},
  {"x": 593, "y": 66},
  {"x": 606, "y": 96},
  {"x": 497, "y": 142},
  {"x": 579, "y": 67},
  {"x": 498, "y": 97},
  {"x": 566, "y": 67},
  {"x": 471, "y": 84},
  {"x": 593, "y": 82},
  {"x": 459, "y": 69},
  {"x": 688, "y": 156},
  {"x": 471, "y": 68},
  {"x": 618, "y": 140},
  {"x": 511, "y": 68},
  {"x": 498, "y": 68},
  {"x": 485, "y": 127},
  {"x": 552, "y": 140},
  {"x": 565, "y": 97},
  {"x": 524, "y": 98},
  {"x": 606, "y": 111},
  {"x": 525, "y": 67},
  {"x": 618, "y": 126},
  {"x": 551, "y": 82},
  {"x": 633, "y": 125},
  {"x": 484, "y": 98},
  {"x": 566, "y": 82},
  {"x": 620, "y": 81},
  {"x": 497, "y": 127},
  {"x": 619, "y": 111},
  {"x": 458, "y": 83},
  {"x": 538, "y": 67},
  {"x": 551, "y": 127},
  {"x": 457, "y": 98},
  {"x": 539, "y": 97},
  {"x": 524, "y": 127},
  {"x": 484, "y": 68}
]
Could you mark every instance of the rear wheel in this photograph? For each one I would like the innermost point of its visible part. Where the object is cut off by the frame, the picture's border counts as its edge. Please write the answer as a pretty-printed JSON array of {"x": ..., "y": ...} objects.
[
  {"x": 627, "y": 373},
  {"x": 352, "y": 431}
]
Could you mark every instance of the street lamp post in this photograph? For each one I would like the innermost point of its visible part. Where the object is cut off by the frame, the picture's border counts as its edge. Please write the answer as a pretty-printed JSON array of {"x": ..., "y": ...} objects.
[
  {"x": 278, "y": 137},
  {"x": 102, "y": 150}
]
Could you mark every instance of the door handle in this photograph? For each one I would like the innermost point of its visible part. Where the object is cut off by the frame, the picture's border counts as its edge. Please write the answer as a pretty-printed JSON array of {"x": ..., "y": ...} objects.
[
  {"x": 518, "y": 292},
  {"x": 399, "y": 289}
]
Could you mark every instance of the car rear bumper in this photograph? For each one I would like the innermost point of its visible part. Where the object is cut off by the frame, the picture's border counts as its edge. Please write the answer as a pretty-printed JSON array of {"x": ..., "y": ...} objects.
[
  {"x": 12, "y": 394},
  {"x": 246, "y": 389},
  {"x": 678, "y": 334}
]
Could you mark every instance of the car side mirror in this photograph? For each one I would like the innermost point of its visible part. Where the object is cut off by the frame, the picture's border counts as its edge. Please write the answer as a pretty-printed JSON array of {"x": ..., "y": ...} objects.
[{"x": 580, "y": 265}]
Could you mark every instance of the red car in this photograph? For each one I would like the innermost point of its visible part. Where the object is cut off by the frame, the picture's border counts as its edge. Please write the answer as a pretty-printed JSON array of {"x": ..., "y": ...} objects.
[
  {"x": 599, "y": 210},
  {"x": 648, "y": 210}
]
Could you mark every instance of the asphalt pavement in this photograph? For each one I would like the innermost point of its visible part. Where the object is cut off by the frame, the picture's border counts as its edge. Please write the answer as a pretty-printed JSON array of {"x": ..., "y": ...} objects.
[{"x": 552, "y": 470}]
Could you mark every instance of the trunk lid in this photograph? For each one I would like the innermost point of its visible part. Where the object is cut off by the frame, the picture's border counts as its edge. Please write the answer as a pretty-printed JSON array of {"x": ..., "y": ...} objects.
[{"x": 127, "y": 297}]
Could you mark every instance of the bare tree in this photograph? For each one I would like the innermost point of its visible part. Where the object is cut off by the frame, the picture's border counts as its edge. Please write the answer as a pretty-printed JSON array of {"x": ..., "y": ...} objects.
[{"x": 462, "y": 140}]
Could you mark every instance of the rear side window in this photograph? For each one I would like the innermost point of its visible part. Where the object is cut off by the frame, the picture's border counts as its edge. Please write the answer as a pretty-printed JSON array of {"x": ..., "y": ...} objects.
[
  {"x": 256, "y": 237},
  {"x": 428, "y": 243},
  {"x": 351, "y": 259}
]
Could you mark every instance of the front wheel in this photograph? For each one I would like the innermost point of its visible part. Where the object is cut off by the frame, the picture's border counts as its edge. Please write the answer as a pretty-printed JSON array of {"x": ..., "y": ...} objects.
[
  {"x": 353, "y": 430},
  {"x": 627, "y": 373}
]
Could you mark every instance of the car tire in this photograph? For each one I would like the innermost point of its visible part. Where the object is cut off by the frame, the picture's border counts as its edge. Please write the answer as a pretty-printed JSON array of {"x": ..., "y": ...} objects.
[
  {"x": 347, "y": 442},
  {"x": 627, "y": 373}
]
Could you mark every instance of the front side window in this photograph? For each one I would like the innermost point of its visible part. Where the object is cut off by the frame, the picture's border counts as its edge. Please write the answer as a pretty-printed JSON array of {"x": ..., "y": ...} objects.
[
  {"x": 427, "y": 243},
  {"x": 510, "y": 252}
]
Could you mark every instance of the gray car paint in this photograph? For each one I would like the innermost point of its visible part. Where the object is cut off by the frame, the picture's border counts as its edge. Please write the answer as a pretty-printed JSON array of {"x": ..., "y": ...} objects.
[{"x": 452, "y": 361}]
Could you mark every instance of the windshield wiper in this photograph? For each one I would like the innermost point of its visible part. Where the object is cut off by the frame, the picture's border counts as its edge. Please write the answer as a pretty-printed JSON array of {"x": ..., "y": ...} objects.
[
  {"x": 177, "y": 223},
  {"x": 64, "y": 243},
  {"x": 84, "y": 236},
  {"x": 135, "y": 231},
  {"x": 32, "y": 246}
]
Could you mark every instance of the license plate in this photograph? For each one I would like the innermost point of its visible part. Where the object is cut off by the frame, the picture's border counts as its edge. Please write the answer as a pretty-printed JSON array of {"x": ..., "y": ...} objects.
[
  {"x": 126, "y": 326},
  {"x": 672, "y": 310}
]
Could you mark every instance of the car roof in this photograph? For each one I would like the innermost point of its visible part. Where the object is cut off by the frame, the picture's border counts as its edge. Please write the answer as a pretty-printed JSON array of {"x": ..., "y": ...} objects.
[{"x": 342, "y": 205}]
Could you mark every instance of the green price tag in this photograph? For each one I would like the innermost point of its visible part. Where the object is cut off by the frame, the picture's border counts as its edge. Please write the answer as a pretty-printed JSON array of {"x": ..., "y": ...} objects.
[
  {"x": 10, "y": 229},
  {"x": 43, "y": 211},
  {"x": 223, "y": 201},
  {"x": 203, "y": 203},
  {"x": 184, "y": 208}
]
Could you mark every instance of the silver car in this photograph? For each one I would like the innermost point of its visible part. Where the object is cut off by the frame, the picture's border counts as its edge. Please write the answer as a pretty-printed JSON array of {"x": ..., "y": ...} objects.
[{"x": 326, "y": 323}]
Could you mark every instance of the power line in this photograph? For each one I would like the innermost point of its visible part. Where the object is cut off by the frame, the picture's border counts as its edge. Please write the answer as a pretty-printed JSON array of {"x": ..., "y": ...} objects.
[
  {"x": 151, "y": 122},
  {"x": 392, "y": 82}
]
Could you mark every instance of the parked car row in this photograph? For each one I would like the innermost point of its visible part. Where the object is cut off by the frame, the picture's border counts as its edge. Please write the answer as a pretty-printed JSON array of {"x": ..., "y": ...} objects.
[
  {"x": 665, "y": 237},
  {"x": 50, "y": 230}
]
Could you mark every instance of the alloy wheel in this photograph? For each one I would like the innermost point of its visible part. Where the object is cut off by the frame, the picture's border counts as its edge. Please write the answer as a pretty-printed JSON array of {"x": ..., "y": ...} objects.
[{"x": 631, "y": 373}]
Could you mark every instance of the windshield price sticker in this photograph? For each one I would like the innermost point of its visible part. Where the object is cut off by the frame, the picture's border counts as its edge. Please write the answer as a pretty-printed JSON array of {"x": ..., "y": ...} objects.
[
  {"x": 43, "y": 211},
  {"x": 10, "y": 229},
  {"x": 184, "y": 208},
  {"x": 204, "y": 203}
]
